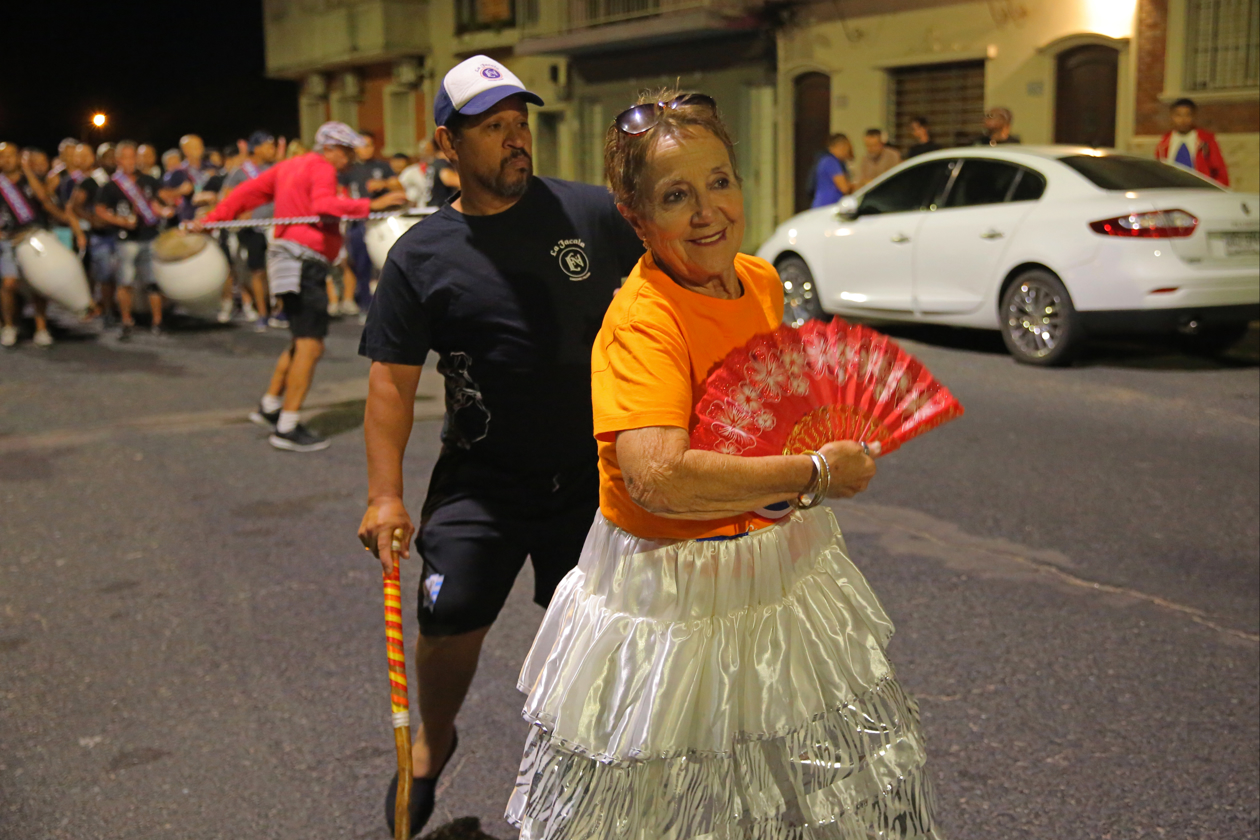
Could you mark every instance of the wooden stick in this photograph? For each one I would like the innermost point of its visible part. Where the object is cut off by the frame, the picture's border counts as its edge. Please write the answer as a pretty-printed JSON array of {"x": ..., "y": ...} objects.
[{"x": 398, "y": 699}]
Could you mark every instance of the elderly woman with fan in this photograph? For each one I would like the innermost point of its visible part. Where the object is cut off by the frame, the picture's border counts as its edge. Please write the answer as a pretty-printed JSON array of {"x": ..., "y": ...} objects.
[{"x": 712, "y": 668}]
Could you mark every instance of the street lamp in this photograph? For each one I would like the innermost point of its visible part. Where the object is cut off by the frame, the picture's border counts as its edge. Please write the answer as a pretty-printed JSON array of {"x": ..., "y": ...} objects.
[{"x": 98, "y": 120}]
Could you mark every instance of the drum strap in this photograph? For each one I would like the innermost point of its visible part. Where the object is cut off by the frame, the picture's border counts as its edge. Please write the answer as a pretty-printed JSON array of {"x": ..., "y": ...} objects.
[
  {"x": 14, "y": 198},
  {"x": 137, "y": 199}
]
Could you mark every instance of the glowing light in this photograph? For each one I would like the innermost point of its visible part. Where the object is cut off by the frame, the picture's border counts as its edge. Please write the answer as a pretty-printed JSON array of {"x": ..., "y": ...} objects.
[
  {"x": 853, "y": 296},
  {"x": 98, "y": 120},
  {"x": 1113, "y": 18}
]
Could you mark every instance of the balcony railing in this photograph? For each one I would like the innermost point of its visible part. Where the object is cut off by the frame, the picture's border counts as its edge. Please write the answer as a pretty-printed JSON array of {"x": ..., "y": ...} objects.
[
  {"x": 543, "y": 18},
  {"x": 307, "y": 35}
]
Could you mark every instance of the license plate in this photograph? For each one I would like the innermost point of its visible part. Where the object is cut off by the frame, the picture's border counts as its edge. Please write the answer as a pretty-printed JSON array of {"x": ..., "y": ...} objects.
[{"x": 1235, "y": 243}]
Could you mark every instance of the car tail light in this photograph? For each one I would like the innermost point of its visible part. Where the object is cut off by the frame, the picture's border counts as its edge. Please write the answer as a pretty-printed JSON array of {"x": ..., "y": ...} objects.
[{"x": 1159, "y": 224}]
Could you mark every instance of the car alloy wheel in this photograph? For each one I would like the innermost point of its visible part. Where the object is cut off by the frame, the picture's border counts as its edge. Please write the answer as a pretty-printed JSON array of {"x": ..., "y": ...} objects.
[
  {"x": 1039, "y": 323},
  {"x": 800, "y": 295}
]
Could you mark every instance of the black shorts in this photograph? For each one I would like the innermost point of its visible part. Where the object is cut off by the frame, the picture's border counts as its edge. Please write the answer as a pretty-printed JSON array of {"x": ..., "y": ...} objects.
[
  {"x": 476, "y": 529},
  {"x": 307, "y": 310},
  {"x": 253, "y": 243}
]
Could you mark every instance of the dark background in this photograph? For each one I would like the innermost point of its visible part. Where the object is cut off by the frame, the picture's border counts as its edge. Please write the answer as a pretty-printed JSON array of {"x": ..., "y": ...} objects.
[{"x": 157, "y": 69}]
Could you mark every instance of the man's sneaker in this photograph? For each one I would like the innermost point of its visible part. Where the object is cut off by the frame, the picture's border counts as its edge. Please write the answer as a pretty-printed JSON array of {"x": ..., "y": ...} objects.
[
  {"x": 268, "y": 419},
  {"x": 334, "y": 309},
  {"x": 43, "y": 338},
  {"x": 225, "y": 312},
  {"x": 279, "y": 322},
  {"x": 157, "y": 330},
  {"x": 124, "y": 334},
  {"x": 8, "y": 336},
  {"x": 248, "y": 312},
  {"x": 260, "y": 326},
  {"x": 301, "y": 439},
  {"x": 349, "y": 307}
]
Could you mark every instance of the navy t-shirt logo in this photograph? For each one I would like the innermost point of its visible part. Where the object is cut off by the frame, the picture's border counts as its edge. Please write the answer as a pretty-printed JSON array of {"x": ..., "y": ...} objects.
[{"x": 573, "y": 261}]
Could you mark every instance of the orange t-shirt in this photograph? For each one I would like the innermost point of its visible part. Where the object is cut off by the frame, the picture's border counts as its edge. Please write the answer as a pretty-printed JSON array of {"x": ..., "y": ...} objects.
[{"x": 658, "y": 344}]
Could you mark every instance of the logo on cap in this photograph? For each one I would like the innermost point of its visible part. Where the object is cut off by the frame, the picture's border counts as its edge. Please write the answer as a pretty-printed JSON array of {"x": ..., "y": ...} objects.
[{"x": 491, "y": 73}]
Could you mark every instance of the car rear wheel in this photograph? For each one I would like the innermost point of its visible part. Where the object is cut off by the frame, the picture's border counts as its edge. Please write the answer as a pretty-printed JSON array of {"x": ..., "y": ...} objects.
[
  {"x": 800, "y": 295},
  {"x": 1213, "y": 339},
  {"x": 1039, "y": 322}
]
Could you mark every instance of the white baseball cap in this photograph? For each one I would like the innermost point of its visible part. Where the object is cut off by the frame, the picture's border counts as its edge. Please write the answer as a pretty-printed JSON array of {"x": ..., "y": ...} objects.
[
  {"x": 475, "y": 86},
  {"x": 338, "y": 134}
]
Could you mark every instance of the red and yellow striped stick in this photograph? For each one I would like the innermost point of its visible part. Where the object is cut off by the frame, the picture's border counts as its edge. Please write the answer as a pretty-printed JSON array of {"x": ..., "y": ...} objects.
[{"x": 398, "y": 693}]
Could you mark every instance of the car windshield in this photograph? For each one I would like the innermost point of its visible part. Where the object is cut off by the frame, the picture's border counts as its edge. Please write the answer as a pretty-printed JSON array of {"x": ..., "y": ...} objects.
[{"x": 1124, "y": 172}]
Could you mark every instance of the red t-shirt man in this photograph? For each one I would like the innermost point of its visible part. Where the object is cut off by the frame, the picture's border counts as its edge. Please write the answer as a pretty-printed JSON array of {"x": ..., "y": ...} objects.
[{"x": 297, "y": 266}]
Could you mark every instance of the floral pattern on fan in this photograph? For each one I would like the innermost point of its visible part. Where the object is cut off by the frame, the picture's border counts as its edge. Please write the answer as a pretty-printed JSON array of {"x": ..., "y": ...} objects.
[{"x": 792, "y": 390}]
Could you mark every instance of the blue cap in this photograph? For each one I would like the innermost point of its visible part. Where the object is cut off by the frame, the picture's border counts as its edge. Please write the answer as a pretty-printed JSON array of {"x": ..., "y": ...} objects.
[{"x": 475, "y": 86}]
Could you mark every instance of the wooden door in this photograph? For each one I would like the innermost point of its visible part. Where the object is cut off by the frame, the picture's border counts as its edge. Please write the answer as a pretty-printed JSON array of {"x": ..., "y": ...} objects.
[
  {"x": 811, "y": 127},
  {"x": 1085, "y": 96}
]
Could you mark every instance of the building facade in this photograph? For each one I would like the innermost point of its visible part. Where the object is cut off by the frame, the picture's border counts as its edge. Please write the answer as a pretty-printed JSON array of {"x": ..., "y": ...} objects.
[{"x": 786, "y": 73}]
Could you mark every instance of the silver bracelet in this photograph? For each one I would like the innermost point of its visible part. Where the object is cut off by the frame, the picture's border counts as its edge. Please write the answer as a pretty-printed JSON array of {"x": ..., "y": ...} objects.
[{"x": 819, "y": 482}]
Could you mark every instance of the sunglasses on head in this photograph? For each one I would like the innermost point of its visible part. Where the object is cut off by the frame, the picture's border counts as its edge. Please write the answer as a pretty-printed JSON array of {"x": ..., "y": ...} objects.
[{"x": 640, "y": 118}]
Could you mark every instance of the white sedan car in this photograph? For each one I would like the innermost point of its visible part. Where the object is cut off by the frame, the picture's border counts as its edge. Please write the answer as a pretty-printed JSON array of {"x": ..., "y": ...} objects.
[{"x": 1046, "y": 243}]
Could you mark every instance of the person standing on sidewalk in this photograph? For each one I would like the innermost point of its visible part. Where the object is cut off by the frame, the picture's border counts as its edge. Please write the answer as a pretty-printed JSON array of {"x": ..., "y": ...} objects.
[
  {"x": 923, "y": 142},
  {"x": 509, "y": 284},
  {"x": 1191, "y": 147},
  {"x": 297, "y": 265},
  {"x": 880, "y": 157}
]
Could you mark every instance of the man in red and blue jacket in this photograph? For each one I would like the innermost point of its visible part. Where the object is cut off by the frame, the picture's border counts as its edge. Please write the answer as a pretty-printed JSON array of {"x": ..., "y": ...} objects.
[{"x": 1190, "y": 146}]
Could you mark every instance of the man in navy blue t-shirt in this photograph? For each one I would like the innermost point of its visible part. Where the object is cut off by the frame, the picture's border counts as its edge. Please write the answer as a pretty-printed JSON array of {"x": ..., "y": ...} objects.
[
  {"x": 508, "y": 283},
  {"x": 831, "y": 173}
]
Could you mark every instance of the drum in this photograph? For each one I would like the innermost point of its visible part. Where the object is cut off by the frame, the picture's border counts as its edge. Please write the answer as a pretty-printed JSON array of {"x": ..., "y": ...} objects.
[
  {"x": 381, "y": 234},
  {"x": 190, "y": 269},
  {"x": 53, "y": 270}
]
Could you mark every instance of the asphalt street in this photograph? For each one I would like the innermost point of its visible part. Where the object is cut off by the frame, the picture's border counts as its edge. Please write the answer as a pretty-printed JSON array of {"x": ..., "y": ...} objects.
[{"x": 192, "y": 646}]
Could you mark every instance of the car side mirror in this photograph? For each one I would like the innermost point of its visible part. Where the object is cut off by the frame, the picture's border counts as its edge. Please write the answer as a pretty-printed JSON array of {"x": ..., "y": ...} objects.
[{"x": 847, "y": 208}]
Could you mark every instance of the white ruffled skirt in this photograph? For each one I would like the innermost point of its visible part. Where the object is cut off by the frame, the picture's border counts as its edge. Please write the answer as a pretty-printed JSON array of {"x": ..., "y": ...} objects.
[{"x": 718, "y": 690}]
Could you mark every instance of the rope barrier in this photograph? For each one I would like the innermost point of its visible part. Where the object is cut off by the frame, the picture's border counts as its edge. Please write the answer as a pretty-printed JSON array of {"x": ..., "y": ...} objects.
[{"x": 236, "y": 224}]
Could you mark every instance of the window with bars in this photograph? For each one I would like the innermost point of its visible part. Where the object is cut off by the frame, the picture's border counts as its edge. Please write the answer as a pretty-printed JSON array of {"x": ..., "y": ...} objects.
[
  {"x": 950, "y": 96},
  {"x": 1222, "y": 44},
  {"x": 472, "y": 15}
]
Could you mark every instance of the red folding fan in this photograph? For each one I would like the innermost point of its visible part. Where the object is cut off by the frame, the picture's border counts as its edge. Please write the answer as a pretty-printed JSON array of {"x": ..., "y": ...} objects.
[{"x": 792, "y": 390}]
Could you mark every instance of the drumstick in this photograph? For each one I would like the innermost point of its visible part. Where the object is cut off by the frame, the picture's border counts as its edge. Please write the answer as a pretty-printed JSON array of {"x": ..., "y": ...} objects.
[
  {"x": 306, "y": 220},
  {"x": 398, "y": 693}
]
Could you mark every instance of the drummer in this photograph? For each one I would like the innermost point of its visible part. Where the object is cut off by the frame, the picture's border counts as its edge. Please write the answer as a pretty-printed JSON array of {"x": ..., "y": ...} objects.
[
  {"x": 102, "y": 246},
  {"x": 130, "y": 205},
  {"x": 24, "y": 205},
  {"x": 262, "y": 151}
]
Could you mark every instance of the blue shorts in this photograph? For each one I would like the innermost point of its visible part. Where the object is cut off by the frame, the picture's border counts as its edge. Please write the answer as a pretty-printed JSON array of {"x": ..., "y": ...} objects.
[
  {"x": 102, "y": 257},
  {"x": 8, "y": 263}
]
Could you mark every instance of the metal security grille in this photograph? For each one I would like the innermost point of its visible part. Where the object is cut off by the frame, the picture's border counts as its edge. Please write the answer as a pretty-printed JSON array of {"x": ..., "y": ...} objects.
[
  {"x": 1222, "y": 44},
  {"x": 950, "y": 96}
]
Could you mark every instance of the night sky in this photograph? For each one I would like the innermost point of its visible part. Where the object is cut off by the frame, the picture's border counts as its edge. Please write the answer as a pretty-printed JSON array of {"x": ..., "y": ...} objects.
[{"x": 158, "y": 68}]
